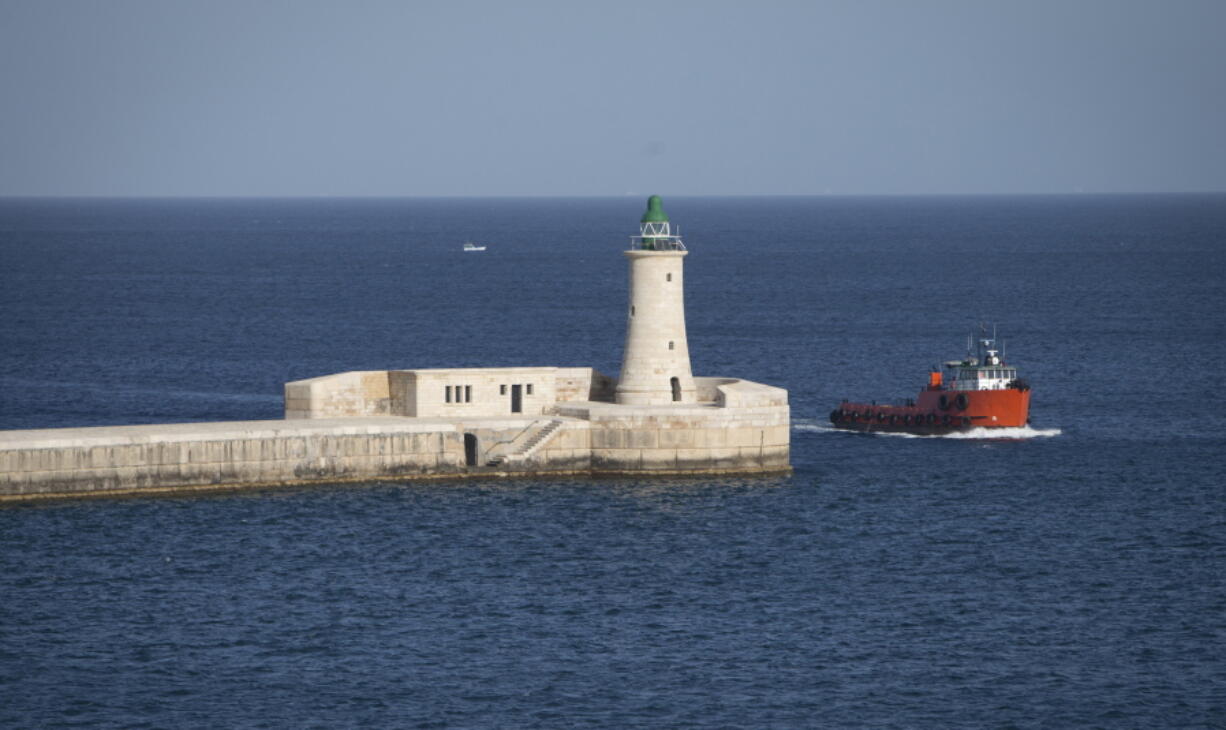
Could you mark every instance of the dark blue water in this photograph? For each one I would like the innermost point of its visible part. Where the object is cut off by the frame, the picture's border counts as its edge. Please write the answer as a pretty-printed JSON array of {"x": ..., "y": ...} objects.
[{"x": 1076, "y": 578}]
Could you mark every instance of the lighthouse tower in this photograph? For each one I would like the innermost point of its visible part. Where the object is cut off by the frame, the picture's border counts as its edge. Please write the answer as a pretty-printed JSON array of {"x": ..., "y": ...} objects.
[{"x": 656, "y": 360}]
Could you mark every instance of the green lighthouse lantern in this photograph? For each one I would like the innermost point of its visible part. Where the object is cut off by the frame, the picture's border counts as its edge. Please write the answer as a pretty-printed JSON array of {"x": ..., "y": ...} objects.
[
  {"x": 655, "y": 232},
  {"x": 655, "y": 211}
]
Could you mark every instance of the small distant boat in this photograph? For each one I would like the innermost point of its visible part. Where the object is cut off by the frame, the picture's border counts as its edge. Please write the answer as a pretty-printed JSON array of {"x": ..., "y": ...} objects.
[
  {"x": 980, "y": 391},
  {"x": 470, "y": 246}
]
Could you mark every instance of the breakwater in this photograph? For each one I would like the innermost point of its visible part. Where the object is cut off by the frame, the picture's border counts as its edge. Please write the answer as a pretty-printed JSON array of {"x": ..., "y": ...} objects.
[{"x": 742, "y": 428}]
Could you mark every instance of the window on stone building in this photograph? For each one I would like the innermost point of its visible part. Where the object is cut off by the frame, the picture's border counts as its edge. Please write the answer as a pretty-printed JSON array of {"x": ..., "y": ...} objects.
[
  {"x": 468, "y": 394},
  {"x": 448, "y": 394},
  {"x": 528, "y": 389}
]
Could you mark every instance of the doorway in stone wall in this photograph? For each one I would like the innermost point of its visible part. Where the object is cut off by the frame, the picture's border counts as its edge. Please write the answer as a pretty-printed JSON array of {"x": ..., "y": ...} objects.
[
  {"x": 517, "y": 398},
  {"x": 470, "y": 449}
]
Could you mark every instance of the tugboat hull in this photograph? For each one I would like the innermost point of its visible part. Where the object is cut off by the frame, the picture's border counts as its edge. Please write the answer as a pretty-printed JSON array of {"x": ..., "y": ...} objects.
[{"x": 939, "y": 412}]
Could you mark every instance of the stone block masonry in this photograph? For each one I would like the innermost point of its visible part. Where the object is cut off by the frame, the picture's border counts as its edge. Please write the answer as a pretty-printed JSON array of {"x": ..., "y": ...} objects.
[
  {"x": 442, "y": 393},
  {"x": 193, "y": 456},
  {"x": 738, "y": 427},
  {"x": 180, "y": 457},
  {"x": 706, "y": 437}
]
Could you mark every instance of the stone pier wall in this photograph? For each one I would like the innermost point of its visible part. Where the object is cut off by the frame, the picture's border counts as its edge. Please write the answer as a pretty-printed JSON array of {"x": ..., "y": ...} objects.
[
  {"x": 743, "y": 428},
  {"x": 183, "y": 457}
]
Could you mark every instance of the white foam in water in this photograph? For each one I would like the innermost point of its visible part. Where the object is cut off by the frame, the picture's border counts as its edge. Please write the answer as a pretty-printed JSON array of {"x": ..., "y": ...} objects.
[
  {"x": 1024, "y": 432},
  {"x": 806, "y": 425}
]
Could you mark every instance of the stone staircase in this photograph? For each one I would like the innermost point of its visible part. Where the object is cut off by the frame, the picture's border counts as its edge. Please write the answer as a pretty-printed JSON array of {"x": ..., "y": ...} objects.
[{"x": 530, "y": 446}]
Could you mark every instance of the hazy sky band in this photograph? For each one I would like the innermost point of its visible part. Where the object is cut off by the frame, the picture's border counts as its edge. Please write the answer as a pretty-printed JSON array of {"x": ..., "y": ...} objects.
[{"x": 587, "y": 98}]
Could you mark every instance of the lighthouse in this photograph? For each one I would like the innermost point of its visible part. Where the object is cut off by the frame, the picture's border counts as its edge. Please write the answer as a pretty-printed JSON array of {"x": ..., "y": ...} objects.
[{"x": 656, "y": 359}]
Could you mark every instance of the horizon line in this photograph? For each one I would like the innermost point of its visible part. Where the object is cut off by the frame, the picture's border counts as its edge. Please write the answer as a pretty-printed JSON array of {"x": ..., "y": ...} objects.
[{"x": 393, "y": 196}]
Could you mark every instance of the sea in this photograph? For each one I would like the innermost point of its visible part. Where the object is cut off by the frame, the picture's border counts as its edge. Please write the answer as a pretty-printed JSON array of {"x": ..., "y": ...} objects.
[{"x": 1071, "y": 574}]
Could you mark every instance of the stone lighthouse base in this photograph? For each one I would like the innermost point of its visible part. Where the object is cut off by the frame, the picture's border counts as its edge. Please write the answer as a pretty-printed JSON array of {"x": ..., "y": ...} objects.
[
  {"x": 736, "y": 426},
  {"x": 416, "y": 424}
]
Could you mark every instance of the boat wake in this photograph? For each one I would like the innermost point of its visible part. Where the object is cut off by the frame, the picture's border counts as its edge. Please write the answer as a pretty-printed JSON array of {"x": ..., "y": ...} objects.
[{"x": 995, "y": 434}]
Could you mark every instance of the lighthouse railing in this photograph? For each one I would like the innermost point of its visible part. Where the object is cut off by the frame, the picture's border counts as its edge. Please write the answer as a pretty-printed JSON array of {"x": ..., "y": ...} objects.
[{"x": 656, "y": 243}]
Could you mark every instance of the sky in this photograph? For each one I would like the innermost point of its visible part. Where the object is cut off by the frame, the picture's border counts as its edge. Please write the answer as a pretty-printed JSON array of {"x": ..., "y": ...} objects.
[{"x": 500, "y": 98}]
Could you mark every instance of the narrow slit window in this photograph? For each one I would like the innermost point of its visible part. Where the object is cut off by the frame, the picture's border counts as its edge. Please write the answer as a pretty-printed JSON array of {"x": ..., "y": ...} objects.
[
  {"x": 448, "y": 393},
  {"x": 528, "y": 389},
  {"x": 670, "y": 344},
  {"x": 468, "y": 394},
  {"x": 502, "y": 389},
  {"x": 631, "y": 310},
  {"x": 668, "y": 277}
]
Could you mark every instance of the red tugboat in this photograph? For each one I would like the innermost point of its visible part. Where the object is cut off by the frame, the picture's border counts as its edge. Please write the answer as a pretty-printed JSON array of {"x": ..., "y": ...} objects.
[{"x": 980, "y": 391}]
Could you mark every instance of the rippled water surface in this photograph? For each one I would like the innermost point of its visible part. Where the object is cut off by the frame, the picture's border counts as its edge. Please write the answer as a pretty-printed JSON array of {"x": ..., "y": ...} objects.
[{"x": 1069, "y": 575}]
